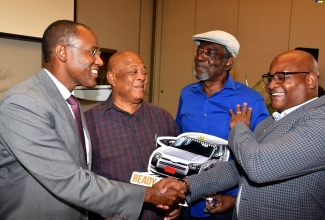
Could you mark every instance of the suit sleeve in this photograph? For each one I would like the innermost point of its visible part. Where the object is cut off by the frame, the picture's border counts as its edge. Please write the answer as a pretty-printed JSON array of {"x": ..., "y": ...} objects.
[
  {"x": 294, "y": 147},
  {"x": 217, "y": 179},
  {"x": 37, "y": 136}
]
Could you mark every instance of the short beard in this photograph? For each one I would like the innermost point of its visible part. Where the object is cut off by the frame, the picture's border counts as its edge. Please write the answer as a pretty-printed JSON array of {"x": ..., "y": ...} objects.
[{"x": 201, "y": 77}]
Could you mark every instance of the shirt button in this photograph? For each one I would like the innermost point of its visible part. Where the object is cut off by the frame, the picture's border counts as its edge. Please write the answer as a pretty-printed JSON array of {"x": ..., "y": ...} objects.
[{"x": 205, "y": 115}]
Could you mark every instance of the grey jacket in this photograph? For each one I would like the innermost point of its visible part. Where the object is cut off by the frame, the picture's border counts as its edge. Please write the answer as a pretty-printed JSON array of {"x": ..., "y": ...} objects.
[
  {"x": 43, "y": 173},
  {"x": 280, "y": 167}
]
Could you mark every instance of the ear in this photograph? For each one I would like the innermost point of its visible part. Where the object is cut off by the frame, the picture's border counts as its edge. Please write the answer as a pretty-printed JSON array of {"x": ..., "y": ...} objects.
[
  {"x": 311, "y": 80},
  {"x": 61, "y": 53},
  {"x": 229, "y": 63},
  {"x": 110, "y": 78}
]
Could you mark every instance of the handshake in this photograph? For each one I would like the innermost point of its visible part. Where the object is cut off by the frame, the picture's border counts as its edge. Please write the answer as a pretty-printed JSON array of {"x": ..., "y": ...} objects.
[{"x": 167, "y": 194}]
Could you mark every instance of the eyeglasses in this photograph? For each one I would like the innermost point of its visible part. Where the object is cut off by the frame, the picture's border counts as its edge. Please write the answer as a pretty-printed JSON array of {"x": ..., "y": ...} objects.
[
  {"x": 92, "y": 52},
  {"x": 279, "y": 77}
]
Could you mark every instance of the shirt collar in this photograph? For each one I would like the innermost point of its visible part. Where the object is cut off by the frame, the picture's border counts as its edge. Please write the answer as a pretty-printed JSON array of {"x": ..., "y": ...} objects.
[
  {"x": 109, "y": 105},
  {"x": 277, "y": 116},
  {"x": 229, "y": 84},
  {"x": 63, "y": 90}
]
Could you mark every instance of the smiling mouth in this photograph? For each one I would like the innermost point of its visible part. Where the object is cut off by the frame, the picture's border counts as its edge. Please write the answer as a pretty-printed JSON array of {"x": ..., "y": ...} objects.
[
  {"x": 94, "y": 71},
  {"x": 277, "y": 94}
]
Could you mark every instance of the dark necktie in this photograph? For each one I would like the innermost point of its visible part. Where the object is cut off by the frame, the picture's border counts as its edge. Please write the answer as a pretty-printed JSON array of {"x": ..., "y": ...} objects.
[{"x": 72, "y": 100}]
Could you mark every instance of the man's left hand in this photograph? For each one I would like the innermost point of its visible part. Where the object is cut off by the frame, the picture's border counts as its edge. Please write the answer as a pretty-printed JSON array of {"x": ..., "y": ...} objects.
[
  {"x": 243, "y": 115},
  {"x": 222, "y": 204}
]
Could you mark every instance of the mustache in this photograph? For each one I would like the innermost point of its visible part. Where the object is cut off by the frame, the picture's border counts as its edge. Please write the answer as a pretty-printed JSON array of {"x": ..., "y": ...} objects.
[{"x": 198, "y": 64}]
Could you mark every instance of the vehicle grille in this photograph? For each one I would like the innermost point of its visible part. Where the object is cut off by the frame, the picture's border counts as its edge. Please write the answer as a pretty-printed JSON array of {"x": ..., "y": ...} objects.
[
  {"x": 182, "y": 164},
  {"x": 172, "y": 165}
]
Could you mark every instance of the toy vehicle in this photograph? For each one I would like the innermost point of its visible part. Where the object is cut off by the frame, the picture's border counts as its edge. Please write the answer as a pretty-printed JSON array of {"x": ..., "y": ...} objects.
[{"x": 187, "y": 154}]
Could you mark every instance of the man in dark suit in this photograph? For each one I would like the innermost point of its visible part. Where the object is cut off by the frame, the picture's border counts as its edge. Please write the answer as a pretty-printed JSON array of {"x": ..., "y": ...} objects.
[
  {"x": 280, "y": 166},
  {"x": 44, "y": 170}
]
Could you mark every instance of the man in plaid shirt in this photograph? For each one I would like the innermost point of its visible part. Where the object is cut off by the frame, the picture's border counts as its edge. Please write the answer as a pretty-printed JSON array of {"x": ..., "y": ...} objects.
[{"x": 123, "y": 128}]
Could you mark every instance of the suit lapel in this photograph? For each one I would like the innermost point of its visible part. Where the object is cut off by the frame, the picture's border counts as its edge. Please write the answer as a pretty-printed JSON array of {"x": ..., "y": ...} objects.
[
  {"x": 59, "y": 104},
  {"x": 264, "y": 127},
  {"x": 269, "y": 124}
]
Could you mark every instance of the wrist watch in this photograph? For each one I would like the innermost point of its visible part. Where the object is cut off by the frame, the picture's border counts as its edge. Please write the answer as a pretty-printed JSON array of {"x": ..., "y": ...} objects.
[{"x": 187, "y": 187}]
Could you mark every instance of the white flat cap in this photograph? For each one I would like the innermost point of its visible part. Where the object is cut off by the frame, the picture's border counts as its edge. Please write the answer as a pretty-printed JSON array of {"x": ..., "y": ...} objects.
[{"x": 219, "y": 37}]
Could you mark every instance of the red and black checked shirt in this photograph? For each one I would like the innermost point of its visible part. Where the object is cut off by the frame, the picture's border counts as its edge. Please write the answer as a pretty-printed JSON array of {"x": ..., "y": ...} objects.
[{"x": 123, "y": 142}]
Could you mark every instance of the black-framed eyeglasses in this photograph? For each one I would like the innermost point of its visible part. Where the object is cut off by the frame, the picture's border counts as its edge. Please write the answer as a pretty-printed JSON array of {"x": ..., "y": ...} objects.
[
  {"x": 92, "y": 52},
  {"x": 279, "y": 77}
]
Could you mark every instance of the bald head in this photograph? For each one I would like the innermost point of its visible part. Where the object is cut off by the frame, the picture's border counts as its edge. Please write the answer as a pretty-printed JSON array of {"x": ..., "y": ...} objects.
[
  {"x": 118, "y": 59},
  {"x": 299, "y": 59},
  {"x": 296, "y": 76}
]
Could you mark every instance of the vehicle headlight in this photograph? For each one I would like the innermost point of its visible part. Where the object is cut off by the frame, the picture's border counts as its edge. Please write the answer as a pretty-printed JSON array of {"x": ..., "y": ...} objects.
[
  {"x": 157, "y": 155},
  {"x": 194, "y": 166},
  {"x": 155, "y": 158}
]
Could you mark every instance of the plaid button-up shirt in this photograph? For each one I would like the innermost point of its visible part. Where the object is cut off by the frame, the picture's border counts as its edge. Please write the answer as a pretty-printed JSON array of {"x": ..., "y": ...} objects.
[{"x": 123, "y": 142}]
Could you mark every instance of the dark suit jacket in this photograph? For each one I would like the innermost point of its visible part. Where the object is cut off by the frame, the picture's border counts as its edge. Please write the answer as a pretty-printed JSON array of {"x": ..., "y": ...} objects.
[
  {"x": 283, "y": 164},
  {"x": 43, "y": 173}
]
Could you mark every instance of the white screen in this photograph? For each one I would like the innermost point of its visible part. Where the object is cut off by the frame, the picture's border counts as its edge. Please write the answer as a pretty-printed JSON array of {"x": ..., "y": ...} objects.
[{"x": 31, "y": 17}]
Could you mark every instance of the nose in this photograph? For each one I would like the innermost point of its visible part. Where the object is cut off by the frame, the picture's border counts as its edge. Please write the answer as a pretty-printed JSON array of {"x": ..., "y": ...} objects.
[
  {"x": 141, "y": 76},
  {"x": 272, "y": 84},
  {"x": 98, "y": 60},
  {"x": 200, "y": 56}
]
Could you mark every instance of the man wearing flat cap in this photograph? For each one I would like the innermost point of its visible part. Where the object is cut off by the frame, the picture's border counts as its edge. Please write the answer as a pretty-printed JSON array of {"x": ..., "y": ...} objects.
[{"x": 204, "y": 107}]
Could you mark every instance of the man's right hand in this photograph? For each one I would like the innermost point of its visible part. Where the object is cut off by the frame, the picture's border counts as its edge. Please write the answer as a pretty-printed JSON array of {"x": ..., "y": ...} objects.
[
  {"x": 164, "y": 198},
  {"x": 175, "y": 185}
]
